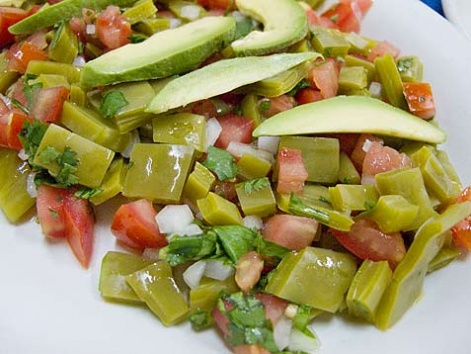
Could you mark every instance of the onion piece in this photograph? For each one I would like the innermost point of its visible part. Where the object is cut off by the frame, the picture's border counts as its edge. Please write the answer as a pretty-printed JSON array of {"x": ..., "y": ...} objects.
[
  {"x": 238, "y": 149},
  {"x": 375, "y": 89},
  {"x": 90, "y": 29},
  {"x": 269, "y": 143},
  {"x": 79, "y": 61},
  {"x": 213, "y": 130},
  {"x": 151, "y": 254},
  {"x": 218, "y": 270},
  {"x": 174, "y": 219},
  {"x": 253, "y": 222},
  {"x": 303, "y": 342},
  {"x": 282, "y": 332},
  {"x": 191, "y": 12},
  {"x": 23, "y": 155},
  {"x": 193, "y": 274},
  {"x": 31, "y": 186}
]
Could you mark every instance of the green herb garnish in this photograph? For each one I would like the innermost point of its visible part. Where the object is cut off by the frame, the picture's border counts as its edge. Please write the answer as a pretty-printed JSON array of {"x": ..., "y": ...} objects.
[
  {"x": 221, "y": 163},
  {"x": 256, "y": 185},
  {"x": 112, "y": 102}
]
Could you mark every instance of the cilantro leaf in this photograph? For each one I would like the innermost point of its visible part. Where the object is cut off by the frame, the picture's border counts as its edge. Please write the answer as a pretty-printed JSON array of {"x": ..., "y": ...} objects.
[
  {"x": 256, "y": 185},
  {"x": 87, "y": 193},
  {"x": 31, "y": 135},
  {"x": 137, "y": 38},
  {"x": 48, "y": 155},
  {"x": 221, "y": 162},
  {"x": 304, "y": 83},
  {"x": 66, "y": 161},
  {"x": 112, "y": 102}
]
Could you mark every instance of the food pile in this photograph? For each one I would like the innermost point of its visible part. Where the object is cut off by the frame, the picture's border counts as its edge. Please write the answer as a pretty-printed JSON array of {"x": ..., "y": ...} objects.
[{"x": 272, "y": 163}]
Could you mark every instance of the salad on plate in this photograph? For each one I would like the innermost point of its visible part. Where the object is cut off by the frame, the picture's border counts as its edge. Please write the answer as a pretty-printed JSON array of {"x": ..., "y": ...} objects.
[{"x": 270, "y": 164}]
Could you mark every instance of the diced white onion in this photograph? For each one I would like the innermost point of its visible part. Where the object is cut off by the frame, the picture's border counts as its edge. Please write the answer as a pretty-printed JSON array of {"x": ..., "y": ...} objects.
[
  {"x": 175, "y": 22},
  {"x": 79, "y": 61},
  {"x": 192, "y": 229},
  {"x": 193, "y": 274},
  {"x": 31, "y": 186},
  {"x": 23, "y": 155},
  {"x": 302, "y": 342},
  {"x": 375, "y": 89},
  {"x": 291, "y": 310},
  {"x": 174, "y": 219},
  {"x": 253, "y": 222},
  {"x": 213, "y": 129},
  {"x": 151, "y": 254},
  {"x": 218, "y": 270},
  {"x": 282, "y": 332},
  {"x": 238, "y": 149},
  {"x": 90, "y": 29},
  {"x": 367, "y": 179},
  {"x": 366, "y": 145},
  {"x": 269, "y": 143},
  {"x": 191, "y": 12},
  {"x": 135, "y": 139}
]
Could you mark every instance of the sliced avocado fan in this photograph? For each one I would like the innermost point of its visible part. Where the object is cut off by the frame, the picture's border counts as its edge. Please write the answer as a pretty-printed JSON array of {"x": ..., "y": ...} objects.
[
  {"x": 351, "y": 114},
  {"x": 284, "y": 23},
  {"x": 223, "y": 76},
  {"x": 166, "y": 53}
]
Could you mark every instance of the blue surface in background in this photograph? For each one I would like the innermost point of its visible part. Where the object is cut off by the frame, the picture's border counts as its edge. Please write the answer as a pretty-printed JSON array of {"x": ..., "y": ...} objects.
[{"x": 434, "y": 4}]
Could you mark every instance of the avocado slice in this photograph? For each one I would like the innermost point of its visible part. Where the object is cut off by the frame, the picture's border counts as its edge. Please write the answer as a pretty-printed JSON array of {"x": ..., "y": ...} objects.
[
  {"x": 221, "y": 77},
  {"x": 166, "y": 53},
  {"x": 284, "y": 23},
  {"x": 64, "y": 10},
  {"x": 351, "y": 114}
]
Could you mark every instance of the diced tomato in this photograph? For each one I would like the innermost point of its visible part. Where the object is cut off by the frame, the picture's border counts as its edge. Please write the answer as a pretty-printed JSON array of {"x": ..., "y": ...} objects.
[
  {"x": 291, "y": 171},
  {"x": 112, "y": 29},
  {"x": 379, "y": 158},
  {"x": 462, "y": 231},
  {"x": 18, "y": 94},
  {"x": 218, "y": 4},
  {"x": 383, "y": 48},
  {"x": 204, "y": 108},
  {"x": 222, "y": 321},
  {"x": 308, "y": 95},
  {"x": 79, "y": 227},
  {"x": 50, "y": 208},
  {"x": 248, "y": 270},
  {"x": 19, "y": 56},
  {"x": 312, "y": 17},
  {"x": 249, "y": 349},
  {"x": 9, "y": 16},
  {"x": 38, "y": 39},
  {"x": 358, "y": 154},
  {"x": 366, "y": 241},
  {"x": 10, "y": 126},
  {"x": 276, "y": 105},
  {"x": 324, "y": 75},
  {"x": 62, "y": 214},
  {"x": 290, "y": 231},
  {"x": 134, "y": 225},
  {"x": 48, "y": 102},
  {"x": 364, "y": 5},
  {"x": 420, "y": 100},
  {"x": 274, "y": 306},
  {"x": 347, "y": 141},
  {"x": 346, "y": 14},
  {"x": 226, "y": 190},
  {"x": 234, "y": 128}
]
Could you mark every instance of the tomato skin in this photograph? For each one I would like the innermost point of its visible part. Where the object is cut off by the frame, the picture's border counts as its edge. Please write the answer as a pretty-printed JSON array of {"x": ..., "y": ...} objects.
[
  {"x": 9, "y": 16},
  {"x": 291, "y": 171},
  {"x": 10, "y": 126},
  {"x": 47, "y": 106},
  {"x": 248, "y": 270},
  {"x": 324, "y": 75},
  {"x": 420, "y": 100},
  {"x": 50, "y": 210},
  {"x": 112, "y": 29},
  {"x": 461, "y": 232},
  {"x": 79, "y": 227},
  {"x": 19, "y": 56},
  {"x": 274, "y": 306},
  {"x": 308, "y": 95},
  {"x": 290, "y": 231},
  {"x": 366, "y": 241},
  {"x": 278, "y": 104},
  {"x": 382, "y": 48},
  {"x": 381, "y": 158},
  {"x": 204, "y": 108},
  {"x": 217, "y": 4},
  {"x": 358, "y": 154},
  {"x": 134, "y": 225},
  {"x": 234, "y": 128}
]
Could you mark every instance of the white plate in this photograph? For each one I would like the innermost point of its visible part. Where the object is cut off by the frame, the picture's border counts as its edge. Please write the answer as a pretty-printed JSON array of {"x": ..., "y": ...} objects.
[
  {"x": 459, "y": 12},
  {"x": 48, "y": 304}
]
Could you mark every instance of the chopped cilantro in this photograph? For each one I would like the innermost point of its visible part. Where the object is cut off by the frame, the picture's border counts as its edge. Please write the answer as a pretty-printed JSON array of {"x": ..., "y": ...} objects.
[
  {"x": 221, "y": 163},
  {"x": 20, "y": 105},
  {"x": 369, "y": 204},
  {"x": 31, "y": 135},
  {"x": 255, "y": 185},
  {"x": 48, "y": 155},
  {"x": 67, "y": 175},
  {"x": 30, "y": 91},
  {"x": 54, "y": 213},
  {"x": 200, "y": 320},
  {"x": 304, "y": 83},
  {"x": 67, "y": 162},
  {"x": 264, "y": 105},
  {"x": 112, "y": 102},
  {"x": 137, "y": 38},
  {"x": 87, "y": 193},
  {"x": 334, "y": 18}
]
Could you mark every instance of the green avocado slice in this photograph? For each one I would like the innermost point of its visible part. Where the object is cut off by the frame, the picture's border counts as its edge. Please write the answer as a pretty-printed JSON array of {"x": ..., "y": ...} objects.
[
  {"x": 61, "y": 11},
  {"x": 221, "y": 77},
  {"x": 166, "y": 53},
  {"x": 284, "y": 23},
  {"x": 351, "y": 114}
]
